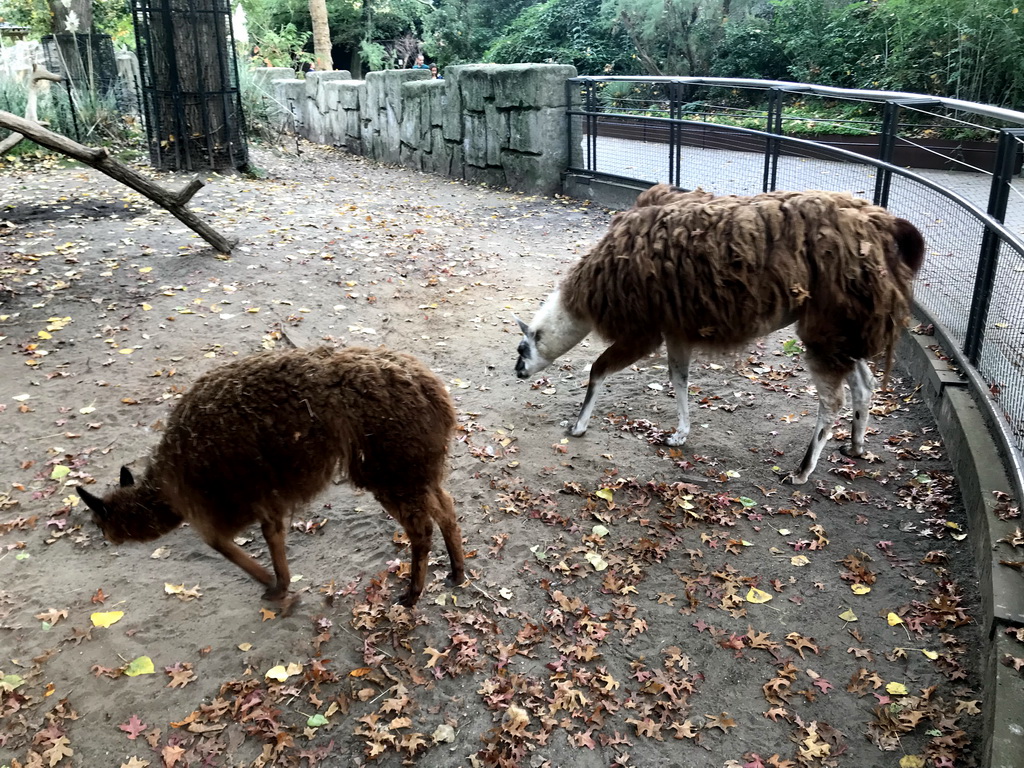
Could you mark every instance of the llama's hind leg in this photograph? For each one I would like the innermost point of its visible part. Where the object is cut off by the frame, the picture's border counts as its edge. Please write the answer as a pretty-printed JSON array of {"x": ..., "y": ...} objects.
[
  {"x": 679, "y": 371},
  {"x": 415, "y": 517},
  {"x": 443, "y": 513},
  {"x": 862, "y": 387},
  {"x": 830, "y": 401},
  {"x": 615, "y": 358},
  {"x": 274, "y": 534}
]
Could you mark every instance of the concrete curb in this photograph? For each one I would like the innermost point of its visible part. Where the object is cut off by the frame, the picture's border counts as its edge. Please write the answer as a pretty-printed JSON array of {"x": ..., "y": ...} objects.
[{"x": 981, "y": 471}]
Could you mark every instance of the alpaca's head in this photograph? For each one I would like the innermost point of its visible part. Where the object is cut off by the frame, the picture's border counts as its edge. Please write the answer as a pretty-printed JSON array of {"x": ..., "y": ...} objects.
[
  {"x": 551, "y": 333},
  {"x": 131, "y": 512}
]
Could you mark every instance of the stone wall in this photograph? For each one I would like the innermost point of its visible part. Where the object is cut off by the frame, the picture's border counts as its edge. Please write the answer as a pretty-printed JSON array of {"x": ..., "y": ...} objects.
[{"x": 503, "y": 125}]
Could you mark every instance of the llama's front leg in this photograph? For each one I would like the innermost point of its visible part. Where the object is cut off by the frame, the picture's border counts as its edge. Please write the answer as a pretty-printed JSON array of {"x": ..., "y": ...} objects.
[
  {"x": 830, "y": 402},
  {"x": 679, "y": 372},
  {"x": 615, "y": 358},
  {"x": 862, "y": 387}
]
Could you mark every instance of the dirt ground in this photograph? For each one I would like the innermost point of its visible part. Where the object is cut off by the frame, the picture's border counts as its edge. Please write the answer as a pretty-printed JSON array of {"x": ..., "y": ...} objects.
[{"x": 628, "y": 604}]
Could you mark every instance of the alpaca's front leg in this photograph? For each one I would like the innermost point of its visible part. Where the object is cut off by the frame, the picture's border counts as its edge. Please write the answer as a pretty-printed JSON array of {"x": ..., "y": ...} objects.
[
  {"x": 679, "y": 371},
  {"x": 615, "y": 358}
]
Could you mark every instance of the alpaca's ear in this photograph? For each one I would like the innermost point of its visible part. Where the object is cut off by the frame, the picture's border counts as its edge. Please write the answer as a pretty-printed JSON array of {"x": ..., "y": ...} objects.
[
  {"x": 523, "y": 326},
  {"x": 93, "y": 502},
  {"x": 126, "y": 477}
]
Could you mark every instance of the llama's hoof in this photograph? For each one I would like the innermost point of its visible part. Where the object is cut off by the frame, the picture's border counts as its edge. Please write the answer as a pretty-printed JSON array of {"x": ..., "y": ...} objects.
[
  {"x": 850, "y": 452},
  {"x": 456, "y": 579},
  {"x": 793, "y": 479},
  {"x": 576, "y": 431},
  {"x": 675, "y": 440},
  {"x": 288, "y": 603}
]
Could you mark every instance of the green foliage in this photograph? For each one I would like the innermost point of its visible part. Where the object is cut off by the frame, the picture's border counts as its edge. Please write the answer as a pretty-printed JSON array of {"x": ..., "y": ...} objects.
[
  {"x": 283, "y": 47},
  {"x": 110, "y": 17},
  {"x": 564, "y": 32},
  {"x": 750, "y": 49}
]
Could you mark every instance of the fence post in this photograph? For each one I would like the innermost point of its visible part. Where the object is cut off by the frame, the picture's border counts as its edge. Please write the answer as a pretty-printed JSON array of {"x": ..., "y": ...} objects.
[
  {"x": 675, "y": 151},
  {"x": 887, "y": 143},
  {"x": 771, "y": 150},
  {"x": 590, "y": 107},
  {"x": 988, "y": 259}
]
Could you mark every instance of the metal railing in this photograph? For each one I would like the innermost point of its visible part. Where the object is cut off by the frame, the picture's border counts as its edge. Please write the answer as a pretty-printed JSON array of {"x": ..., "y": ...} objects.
[{"x": 652, "y": 130}]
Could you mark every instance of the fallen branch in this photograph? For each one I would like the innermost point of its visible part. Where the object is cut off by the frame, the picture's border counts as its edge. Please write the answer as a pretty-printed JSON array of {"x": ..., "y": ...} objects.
[
  {"x": 100, "y": 159},
  {"x": 39, "y": 73}
]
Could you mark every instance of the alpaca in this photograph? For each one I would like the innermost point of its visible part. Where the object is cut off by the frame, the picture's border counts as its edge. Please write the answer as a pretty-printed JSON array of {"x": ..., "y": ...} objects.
[
  {"x": 700, "y": 271},
  {"x": 254, "y": 439}
]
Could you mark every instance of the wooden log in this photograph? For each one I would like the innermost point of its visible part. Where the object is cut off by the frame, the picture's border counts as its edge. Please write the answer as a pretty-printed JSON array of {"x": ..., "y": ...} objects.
[
  {"x": 39, "y": 74},
  {"x": 100, "y": 159}
]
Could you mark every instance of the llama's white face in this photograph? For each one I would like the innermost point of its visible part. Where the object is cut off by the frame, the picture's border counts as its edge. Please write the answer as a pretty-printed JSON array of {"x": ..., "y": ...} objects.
[
  {"x": 530, "y": 360},
  {"x": 550, "y": 334}
]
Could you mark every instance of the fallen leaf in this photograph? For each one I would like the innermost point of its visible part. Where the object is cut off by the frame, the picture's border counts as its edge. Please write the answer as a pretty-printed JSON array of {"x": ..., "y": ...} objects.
[{"x": 106, "y": 618}]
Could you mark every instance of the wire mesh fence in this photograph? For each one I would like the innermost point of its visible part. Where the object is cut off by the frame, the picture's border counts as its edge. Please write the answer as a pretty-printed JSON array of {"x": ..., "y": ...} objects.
[{"x": 736, "y": 141}]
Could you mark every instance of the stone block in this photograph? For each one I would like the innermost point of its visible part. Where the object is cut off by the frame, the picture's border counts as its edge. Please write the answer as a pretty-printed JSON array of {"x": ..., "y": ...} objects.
[
  {"x": 264, "y": 77},
  {"x": 491, "y": 176},
  {"x": 531, "y": 173},
  {"x": 539, "y": 131},
  {"x": 451, "y": 117},
  {"x": 530, "y": 85},
  {"x": 476, "y": 86},
  {"x": 316, "y": 80},
  {"x": 474, "y": 138}
]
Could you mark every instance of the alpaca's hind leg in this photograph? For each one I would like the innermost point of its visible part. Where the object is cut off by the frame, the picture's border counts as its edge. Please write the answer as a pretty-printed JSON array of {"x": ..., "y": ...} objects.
[
  {"x": 274, "y": 534},
  {"x": 862, "y": 387},
  {"x": 615, "y": 358},
  {"x": 415, "y": 518},
  {"x": 679, "y": 372},
  {"x": 830, "y": 401},
  {"x": 443, "y": 513}
]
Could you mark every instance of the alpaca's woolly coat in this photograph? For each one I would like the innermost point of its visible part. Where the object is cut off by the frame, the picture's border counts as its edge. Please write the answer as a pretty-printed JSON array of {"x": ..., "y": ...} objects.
[
  {"x": 267, "y": 432},
  {"x": 717, "y": 271}
]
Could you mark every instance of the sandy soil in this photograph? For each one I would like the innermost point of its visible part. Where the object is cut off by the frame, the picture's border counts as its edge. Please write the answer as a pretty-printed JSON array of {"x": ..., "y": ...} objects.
[{"x": 609, "y": 619}]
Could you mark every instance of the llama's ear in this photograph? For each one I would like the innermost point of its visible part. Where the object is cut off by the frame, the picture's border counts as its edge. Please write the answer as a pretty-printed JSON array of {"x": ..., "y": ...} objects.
[
  {"x": 126, "y": 477},
  {"x": 93, "y": 502},
  {"x": 523, "y": 326}
]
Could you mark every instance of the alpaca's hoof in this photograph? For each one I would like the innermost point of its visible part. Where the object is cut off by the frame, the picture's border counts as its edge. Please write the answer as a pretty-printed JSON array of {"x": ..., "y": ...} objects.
[
  {"x": 275, "y": 592},
  {"x": 850, "y": 452},
  {"x": 408, "y": 600},
  {"x": 793, "y": 479},
  {"x": 675, "y": 439},
  {"x": 576, "y": 431},
  {"x": 456, "y": 579}
]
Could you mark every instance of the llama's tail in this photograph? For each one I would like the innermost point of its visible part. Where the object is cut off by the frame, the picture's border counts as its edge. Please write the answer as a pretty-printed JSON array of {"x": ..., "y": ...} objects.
[{"x": 910, "y": 244}]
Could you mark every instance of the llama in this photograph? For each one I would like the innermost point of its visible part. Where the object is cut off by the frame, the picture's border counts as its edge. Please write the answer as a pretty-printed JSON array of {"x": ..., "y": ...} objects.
[
  {"x": 254, "y": 439},
  {"x": 700, "y": 271}
]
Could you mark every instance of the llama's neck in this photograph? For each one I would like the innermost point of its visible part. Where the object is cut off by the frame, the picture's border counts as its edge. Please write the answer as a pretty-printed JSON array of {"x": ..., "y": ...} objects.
[{"x": 557, "y": 329}]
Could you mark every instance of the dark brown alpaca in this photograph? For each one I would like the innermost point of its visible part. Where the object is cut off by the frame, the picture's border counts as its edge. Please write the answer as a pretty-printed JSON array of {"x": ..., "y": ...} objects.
[
  {"x": 697, "y": 271},
  {"x": 256, "y": 438}
]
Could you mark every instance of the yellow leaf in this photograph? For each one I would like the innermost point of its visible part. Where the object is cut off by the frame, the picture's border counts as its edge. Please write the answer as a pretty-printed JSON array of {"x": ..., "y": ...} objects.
[
  {"x": 245, "y": 646},
  {"x": 595, "y": 560},
  {"x": 893, "y": 619},
  {"x": 848, "y": 615},
  {"x": 360, "y": 672},
  {"x": 860, "y": 589},
  {"x": 87, "y": 410},
  {"x": 757, "y": 596},
  {"x": 59, "y": 471},
  {"x": 911, "y": 761},
  {"x": 45, "y": 335},
  {"x": 896, "y": 689},
  {"x": 930, "y": 654},
  {"x": 605, "y": 493},
  {"x": 147, "y": 307},
  {"x": 140, "y": 666},
  {"x": 126, "y": 351},
  {"x": 799, "y": 560},
  {"x": 144, "y": 270},
  {"x": 106, "y": 618},
  {"x": 280, "y": 672}
]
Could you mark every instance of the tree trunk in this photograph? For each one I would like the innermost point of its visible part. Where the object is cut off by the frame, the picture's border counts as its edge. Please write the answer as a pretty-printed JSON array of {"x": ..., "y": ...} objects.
[
  {"x": 321, "y": 35},
  {"x": 74, "y": 17}
]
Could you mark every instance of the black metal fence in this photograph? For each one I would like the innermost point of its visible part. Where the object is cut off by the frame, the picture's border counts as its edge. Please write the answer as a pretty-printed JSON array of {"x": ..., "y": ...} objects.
[
  {"x": 656, "y": 130},
  {"x": 190, "y": 89}
]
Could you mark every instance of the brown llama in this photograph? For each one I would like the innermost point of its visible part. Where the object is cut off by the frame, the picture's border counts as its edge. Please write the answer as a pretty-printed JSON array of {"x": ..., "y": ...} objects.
[
  {"x": 254, "y": 439},
  {"x": 699, "y": 271}
]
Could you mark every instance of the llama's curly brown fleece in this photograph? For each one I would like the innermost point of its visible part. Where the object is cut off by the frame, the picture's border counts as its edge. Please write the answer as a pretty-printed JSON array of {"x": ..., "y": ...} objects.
[{"x": 717, "y": 271}]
